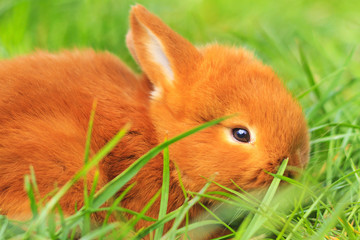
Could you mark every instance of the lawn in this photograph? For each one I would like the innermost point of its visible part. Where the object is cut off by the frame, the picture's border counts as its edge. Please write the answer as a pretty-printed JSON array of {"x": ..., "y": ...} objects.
[{"x": 312, "y": 45}]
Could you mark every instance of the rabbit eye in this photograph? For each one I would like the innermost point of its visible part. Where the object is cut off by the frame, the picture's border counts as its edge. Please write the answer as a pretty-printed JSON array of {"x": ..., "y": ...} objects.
[{"x": 241, "y": 135}]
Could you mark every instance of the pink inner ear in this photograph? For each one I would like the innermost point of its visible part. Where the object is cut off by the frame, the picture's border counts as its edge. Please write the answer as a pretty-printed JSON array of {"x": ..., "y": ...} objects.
[
  {"x": 157, "y": 51},
  {"x": 130, "y": 46}
]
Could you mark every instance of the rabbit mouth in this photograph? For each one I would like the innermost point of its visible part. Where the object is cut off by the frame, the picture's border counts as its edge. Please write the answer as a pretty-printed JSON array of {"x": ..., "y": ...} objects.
[{"x": 262, "y": 178}]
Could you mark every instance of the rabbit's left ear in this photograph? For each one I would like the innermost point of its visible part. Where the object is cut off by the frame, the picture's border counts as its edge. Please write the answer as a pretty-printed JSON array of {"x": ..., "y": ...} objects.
[{"x": 163, "y": 54}]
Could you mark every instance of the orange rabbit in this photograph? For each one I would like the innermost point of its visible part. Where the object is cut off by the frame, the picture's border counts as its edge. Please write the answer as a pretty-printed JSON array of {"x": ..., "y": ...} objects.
[{"x": 46, "y": 99}]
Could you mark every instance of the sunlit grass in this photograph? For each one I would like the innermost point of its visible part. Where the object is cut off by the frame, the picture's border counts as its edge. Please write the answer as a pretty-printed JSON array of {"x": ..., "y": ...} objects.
[{"x": 312, "y": 45}]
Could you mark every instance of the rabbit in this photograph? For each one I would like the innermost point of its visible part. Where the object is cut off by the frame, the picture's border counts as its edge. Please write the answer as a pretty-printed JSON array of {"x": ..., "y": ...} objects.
[{"x": 46, "y": 100}]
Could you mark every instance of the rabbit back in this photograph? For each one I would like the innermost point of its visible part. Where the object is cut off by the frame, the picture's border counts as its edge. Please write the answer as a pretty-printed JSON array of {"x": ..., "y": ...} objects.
[{"x": 45, "y": 104}]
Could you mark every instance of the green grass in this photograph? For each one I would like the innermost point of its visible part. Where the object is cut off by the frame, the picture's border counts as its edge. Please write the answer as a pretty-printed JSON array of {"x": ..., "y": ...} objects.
[{"x": 314, "y": 48}]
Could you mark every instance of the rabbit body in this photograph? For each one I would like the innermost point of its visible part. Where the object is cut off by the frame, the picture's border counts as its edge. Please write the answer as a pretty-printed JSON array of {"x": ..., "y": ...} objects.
[
  {"x": 45, "y": 103},
  {"x": 46, "y": 99}
]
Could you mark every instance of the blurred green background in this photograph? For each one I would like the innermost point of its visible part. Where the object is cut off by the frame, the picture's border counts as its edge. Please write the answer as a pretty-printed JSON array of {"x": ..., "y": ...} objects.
[
  {"x": 312, "y": 45},
  {"x": 328, "y": 29}
]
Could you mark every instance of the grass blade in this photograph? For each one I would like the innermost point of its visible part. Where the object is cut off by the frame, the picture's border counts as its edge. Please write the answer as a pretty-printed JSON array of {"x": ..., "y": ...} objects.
[
  {"x": 184, "y": 210},
  {"x": 308, "y": 72},
  {"x": 131, "y": 223},
  {"x": 100, "y": 231},
  {"x": 164, "y": 193},
  {"x": 330, "y": 222},
  {"x": 258, "y": 219},
  {"x": 160, "y": 222},
  {"x": 86, "y": 219}
]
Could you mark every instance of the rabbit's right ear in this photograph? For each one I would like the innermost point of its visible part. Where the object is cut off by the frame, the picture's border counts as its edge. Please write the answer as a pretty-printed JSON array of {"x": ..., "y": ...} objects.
[{"x": 164, "y": 55}]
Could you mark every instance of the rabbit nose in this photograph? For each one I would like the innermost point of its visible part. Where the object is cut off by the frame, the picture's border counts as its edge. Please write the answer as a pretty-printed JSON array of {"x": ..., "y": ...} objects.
[
  {"x": 294, "y": 165},
  {"x": 290, "y": 174},
  {"x": 292, "y": 168},
  {"x": 297, "y": 159}
]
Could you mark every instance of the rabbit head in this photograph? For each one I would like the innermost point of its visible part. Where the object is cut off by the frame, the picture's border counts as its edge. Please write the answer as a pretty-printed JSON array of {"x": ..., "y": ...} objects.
[{"x": 192, "y": 86}]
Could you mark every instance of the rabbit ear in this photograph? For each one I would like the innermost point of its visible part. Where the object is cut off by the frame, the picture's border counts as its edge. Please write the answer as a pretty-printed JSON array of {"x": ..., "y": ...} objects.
[
  {"x": 130, "y": 46},
  {"x": 163, "y": 55}
]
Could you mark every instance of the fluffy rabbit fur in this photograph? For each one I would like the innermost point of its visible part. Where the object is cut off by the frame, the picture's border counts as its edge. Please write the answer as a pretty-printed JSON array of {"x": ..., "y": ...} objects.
[{"x": 46, "y": 99}]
